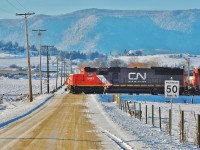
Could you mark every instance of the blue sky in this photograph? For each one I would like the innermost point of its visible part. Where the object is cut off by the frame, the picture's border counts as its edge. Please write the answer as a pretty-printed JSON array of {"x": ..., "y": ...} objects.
[{"x": 8, "y": 8}]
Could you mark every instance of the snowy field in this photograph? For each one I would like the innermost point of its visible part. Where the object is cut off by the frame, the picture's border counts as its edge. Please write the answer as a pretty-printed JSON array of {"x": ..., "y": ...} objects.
[
  {"x": 7, "y": 59},
  {"x": 21, "y": 86},
  {"x": 169, "y": 60}
]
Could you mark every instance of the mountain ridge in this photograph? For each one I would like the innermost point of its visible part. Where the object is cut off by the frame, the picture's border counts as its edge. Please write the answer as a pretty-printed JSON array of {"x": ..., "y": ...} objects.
[{"x": 112, "y": 30}]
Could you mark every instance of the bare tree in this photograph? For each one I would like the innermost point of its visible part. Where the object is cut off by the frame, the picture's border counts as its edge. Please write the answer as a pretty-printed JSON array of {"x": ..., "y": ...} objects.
[{"x": 117, "y": 63}]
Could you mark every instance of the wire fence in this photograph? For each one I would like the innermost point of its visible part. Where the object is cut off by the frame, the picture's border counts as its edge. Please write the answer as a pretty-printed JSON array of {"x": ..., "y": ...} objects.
[{"x": 179, "y": 123}]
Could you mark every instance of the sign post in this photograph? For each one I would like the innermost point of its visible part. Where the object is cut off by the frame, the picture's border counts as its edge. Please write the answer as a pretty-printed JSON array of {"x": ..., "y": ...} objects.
[{"x": 171, "y": 91}]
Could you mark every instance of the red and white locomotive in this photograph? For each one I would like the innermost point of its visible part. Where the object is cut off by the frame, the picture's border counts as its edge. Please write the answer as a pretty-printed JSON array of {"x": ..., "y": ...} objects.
[{"x": 88, "y": 81}]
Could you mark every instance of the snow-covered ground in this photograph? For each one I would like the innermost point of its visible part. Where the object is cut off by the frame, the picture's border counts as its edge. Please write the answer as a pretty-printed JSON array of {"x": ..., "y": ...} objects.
[
  {"x": 125, "y": 131},
  {"x": 150, "y": 135},
  {"x": 6, "y": 61},
  {"x": 119, "y": 126},
  {"x": 12, "y": 110},
  {"x": 21, "y": 86},
  {"x": 169, "y": 60}
]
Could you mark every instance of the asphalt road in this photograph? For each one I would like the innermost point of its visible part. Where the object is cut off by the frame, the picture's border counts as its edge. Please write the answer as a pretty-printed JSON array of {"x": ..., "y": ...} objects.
[{"x": 63, "y": 123}]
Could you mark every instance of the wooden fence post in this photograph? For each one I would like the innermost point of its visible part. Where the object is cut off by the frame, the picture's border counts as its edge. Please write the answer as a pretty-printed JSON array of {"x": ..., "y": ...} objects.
[
  {"x": 135, "y": 109},
  {"x": 146, "y": 113},
  {"x": 120, "y": 105},
  {"x": 182, "y": 127},
  {"x": 125, "y": 106},
  {"x": 160, "y": 118},
  {"x": 198, "y": 131},
  {"x": 129, "y": 111},
  {"x": 152, "y": 115},
  {"x": 118, "y": 98},
  {"x": 119, "y": 101},
  {"x": 170, "y": 128},
  {"x": 1, "y": 99},
  {"x": 140, "y": 111}
]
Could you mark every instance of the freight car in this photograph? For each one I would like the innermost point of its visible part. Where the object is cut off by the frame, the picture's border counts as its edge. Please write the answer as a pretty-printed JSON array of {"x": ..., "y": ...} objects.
[
  {"x": 124, "y": 80},
  {"x": 142, "y": 80}
]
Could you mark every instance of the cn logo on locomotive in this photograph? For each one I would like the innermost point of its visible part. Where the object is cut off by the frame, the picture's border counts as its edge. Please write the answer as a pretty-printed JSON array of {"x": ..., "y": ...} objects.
[{"x": 137, "y": 75}]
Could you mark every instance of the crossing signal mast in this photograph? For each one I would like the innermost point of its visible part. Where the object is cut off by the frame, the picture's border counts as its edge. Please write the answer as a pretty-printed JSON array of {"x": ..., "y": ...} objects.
[{"x": 28, "y": 53}]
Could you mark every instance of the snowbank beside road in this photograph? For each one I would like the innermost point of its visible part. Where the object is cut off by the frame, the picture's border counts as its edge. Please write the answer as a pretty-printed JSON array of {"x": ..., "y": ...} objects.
[
  {"x": 135, "y": 133},
  {"x": 11, "y": 111},
  {"x": 113, "y": 137}
]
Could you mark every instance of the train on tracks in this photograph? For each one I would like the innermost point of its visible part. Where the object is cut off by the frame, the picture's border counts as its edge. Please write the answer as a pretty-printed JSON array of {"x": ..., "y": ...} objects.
[{"x": 131, "y": 80}]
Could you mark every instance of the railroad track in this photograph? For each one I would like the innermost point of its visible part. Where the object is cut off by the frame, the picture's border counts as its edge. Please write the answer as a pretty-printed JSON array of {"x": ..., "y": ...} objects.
[{"x": 121, "y": 143}]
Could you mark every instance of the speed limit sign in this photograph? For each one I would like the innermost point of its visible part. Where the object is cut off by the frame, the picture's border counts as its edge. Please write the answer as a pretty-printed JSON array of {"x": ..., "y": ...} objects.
[{"x": 171, "y": 89}]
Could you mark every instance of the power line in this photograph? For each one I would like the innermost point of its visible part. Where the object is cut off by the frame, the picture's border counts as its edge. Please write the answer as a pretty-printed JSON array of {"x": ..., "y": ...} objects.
[
  {"x": 4, "y": 10},
  {"x": 21, "y": 5},
  {"x": 14, "y": 6}
]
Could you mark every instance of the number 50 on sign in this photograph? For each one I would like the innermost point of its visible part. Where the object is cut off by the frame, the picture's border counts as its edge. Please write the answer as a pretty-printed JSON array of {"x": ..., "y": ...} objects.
[{"x": 171, "y": 89}]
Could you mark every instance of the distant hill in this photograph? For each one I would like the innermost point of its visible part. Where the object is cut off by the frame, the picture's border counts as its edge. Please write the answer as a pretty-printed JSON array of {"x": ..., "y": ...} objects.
[{"x": 153, "y": 32}]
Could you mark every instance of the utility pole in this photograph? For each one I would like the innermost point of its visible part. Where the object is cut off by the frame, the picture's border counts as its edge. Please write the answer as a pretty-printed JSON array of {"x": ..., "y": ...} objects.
[
  {"x": 64, "y": 71},
  {"x": 28, "y": 54},
  {"x": 61, "y": 71},
  {"x": 39, "y": 48},
  {"x": 70, "y": 66},
  {"x": 57, "y": 72},
  {"x": 188, "y": 61},
  {"x": 188, "y": 72},
  {"x": 47, "y": 48}
]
